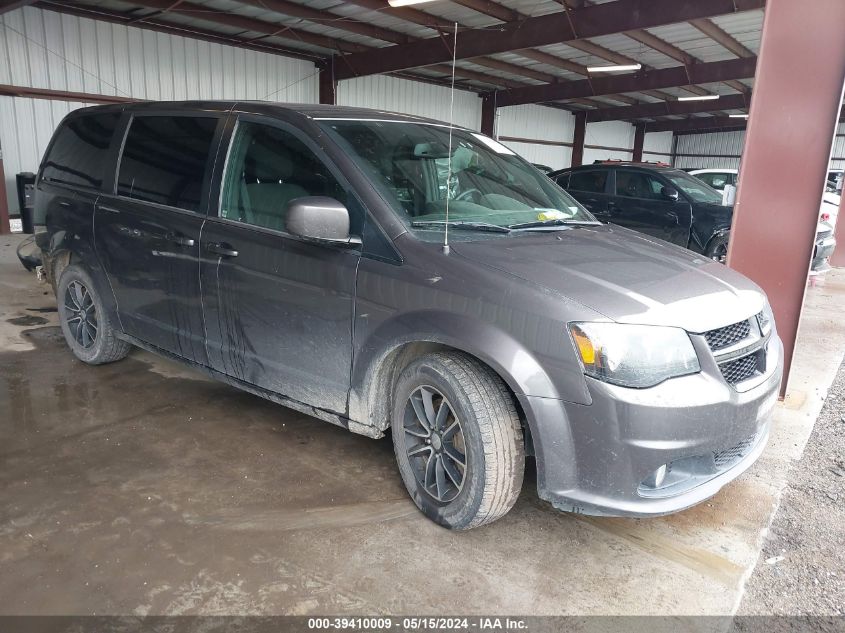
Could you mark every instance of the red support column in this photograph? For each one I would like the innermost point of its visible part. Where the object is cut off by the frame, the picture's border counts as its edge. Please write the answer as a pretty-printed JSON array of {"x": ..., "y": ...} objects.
[
  {"x": 578, "y": 138},
  {"x": 639, "y": 141},
  {"x": 5, "y": 229},
  {"x": 488, "y": 114},
  {"x": 327, "y": 84},
  {"x": 787, "y": 149}
]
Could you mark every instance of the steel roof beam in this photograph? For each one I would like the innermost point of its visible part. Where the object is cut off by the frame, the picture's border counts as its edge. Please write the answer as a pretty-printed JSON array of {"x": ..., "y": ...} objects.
[
  {"x": 555, "y": 28},
  {"x": 711, "y": 72}
]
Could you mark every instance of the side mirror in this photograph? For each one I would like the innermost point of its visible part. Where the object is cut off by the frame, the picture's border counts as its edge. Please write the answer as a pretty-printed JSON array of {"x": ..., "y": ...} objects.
[
  {"x": 670, "y": 194},
  {"x": 319, "y": 218}
]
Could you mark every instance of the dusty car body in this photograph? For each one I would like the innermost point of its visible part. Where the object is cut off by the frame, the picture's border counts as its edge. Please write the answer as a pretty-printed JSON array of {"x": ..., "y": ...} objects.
[{"x": 301, "y": 256}]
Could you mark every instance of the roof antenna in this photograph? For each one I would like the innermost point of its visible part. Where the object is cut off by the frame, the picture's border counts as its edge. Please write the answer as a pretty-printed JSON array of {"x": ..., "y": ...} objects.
[{"x": 449, "y": 159}]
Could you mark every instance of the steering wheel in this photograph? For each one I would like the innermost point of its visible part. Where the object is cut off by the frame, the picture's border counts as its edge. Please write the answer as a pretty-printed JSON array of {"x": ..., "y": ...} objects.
[{"x": 468, "y": 194}]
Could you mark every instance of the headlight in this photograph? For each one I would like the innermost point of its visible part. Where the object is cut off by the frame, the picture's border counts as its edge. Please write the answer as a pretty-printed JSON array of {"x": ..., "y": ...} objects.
[
  {"x": 765, "y": 319},
  {"x": 633, "y": 355}
]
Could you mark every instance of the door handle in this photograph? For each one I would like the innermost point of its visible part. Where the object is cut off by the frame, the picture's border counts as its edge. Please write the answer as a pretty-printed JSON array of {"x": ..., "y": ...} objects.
[
  {"x": 181, "y": 240},
  {"x": 221, "y": 248}
]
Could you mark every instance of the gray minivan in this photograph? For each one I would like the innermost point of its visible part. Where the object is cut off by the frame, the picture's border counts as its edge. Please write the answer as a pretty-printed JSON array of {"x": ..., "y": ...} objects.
[{"x": 384, "y": 272}]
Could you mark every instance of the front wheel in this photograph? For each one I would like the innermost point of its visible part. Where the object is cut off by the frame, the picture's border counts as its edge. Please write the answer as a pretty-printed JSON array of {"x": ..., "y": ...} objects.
[
  {"x": 717, "y": 250},
  {"x": 458, "y": 440}
]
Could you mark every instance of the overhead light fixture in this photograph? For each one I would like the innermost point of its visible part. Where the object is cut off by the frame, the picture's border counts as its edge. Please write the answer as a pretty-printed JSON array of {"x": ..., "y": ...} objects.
[
  {"x": 699, "y": 98},
  {"x": 405, "y": 3},
  {"x": 613, "y": 69},
  {"x": 738, "y": 116}
]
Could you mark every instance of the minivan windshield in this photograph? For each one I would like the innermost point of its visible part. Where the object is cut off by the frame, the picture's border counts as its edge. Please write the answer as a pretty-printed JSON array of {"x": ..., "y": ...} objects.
[
  {"x": 693, "y": 187},
  {"x": 490, "y": 190}
]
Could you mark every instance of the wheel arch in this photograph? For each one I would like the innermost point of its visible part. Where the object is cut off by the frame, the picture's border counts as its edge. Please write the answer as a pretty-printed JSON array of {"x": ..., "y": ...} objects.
[
  {"x": 377, "y": 367},
  {"x": 66, "y": 248}
]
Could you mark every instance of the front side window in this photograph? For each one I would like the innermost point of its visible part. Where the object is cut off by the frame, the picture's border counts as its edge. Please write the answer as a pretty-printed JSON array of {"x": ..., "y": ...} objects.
[
  {"x": 488, "y": 188},
  {"x": 589, "y": 181},
  {"x": 693, "y": 187},
  {"x": 166, "y": 160},
  {"x": 78, "y": 153},
  {"x": 266, "y": 169},
  {"x": 636, "y": 184}
]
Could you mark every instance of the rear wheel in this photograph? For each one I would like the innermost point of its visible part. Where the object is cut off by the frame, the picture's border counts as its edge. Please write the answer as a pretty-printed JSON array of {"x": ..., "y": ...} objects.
[
  {"x": 85, "y": 324},
  {"x": 718, "y": 248},
  {"x": 458, "y": 440}
]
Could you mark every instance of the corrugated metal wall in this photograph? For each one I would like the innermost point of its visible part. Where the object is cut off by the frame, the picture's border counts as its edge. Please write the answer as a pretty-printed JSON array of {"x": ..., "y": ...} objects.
[
  {"x": 658, "y": 146},
  {"x": 541, "y": 123},
  {"x": 44, "y": 49},
  {"x": 713, "y": 150},
  {"x": 609, "y": 134},
  {"x": 410, "y": 97},
  {"x": 838, "y": 149}
]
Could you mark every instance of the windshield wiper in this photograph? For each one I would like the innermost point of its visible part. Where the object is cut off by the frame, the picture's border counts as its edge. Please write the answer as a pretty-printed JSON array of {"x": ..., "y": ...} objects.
[
  {"x": 544, "y": 223},
  {"x": 462, "y": 225}
]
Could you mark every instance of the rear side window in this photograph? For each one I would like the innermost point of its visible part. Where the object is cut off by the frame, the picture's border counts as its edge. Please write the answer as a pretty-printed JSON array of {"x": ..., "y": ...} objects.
[
  {"x": 592, "y": 181},
  {"x": 78, "y": 152},
  {"x": 635, "y": 184},
  {"x": 165, "y": 160}
]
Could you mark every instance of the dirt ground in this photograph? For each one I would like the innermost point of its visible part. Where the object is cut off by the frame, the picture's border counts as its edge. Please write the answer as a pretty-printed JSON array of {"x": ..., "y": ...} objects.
[{"x": 801, "y": 570}]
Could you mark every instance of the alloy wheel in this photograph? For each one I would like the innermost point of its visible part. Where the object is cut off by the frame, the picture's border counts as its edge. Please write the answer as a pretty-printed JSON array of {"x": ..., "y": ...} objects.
[
  {"x": 81, "y": 314},
  {"x": 434, "y": 441}
]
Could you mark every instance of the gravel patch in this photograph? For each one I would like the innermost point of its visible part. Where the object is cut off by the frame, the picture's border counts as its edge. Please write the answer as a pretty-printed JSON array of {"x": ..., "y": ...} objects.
[{"x": 801, "y": 569}]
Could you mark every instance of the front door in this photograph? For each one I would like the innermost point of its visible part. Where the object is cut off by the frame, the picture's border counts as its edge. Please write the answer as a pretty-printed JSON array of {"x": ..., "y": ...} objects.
[
  {"x": 641, "y": 205},
  {"x": 148, "y": 234},
  {"x": 278, "y": 309}
]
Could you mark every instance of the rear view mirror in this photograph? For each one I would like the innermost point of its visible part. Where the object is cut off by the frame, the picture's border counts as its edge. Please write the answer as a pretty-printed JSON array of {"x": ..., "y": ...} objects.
[
  {"x": 319, "y": 218},
  {"x": 670, "y": 193}
]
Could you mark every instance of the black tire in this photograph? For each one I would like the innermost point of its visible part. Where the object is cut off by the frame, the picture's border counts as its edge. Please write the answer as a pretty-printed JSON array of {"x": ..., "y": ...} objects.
[
  {"x": 85, "y": 323},
  {"x": 717, "y": 249},
  {"x": 489, "y": 433}
]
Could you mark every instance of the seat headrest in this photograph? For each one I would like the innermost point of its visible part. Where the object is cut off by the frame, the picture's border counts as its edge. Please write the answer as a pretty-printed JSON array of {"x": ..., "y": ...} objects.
[{"x": 268, "y": 161}]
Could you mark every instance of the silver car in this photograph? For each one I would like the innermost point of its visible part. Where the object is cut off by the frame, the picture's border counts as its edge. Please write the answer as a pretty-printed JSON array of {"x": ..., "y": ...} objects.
[{"x": 390, "y": 275}]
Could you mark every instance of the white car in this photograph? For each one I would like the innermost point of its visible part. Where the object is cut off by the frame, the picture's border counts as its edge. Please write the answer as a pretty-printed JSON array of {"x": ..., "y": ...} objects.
[
  {"x": 825, "y": 241},
  {"x": 719, "y": 178}
]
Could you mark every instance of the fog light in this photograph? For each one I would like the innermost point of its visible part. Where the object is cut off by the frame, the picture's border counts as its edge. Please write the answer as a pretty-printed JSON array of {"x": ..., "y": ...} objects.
[{"x": 655, "y": 479}]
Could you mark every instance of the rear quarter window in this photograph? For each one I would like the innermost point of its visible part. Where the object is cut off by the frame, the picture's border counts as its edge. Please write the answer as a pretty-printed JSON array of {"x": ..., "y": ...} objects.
[{"x": 79, "y": 151}]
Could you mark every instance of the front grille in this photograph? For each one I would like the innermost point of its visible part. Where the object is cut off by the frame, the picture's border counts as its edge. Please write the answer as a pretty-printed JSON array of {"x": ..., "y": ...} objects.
[
  {"x": 729, "y": 456},
  {"x": 763, "y": 320},
  {"x": 740, "y": 369},
  {"x": 728, "y": 335}
]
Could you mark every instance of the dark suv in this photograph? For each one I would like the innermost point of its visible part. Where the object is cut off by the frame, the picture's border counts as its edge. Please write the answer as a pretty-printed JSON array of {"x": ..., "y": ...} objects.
[
  {"x": 388, "y": 273},
  {"x": 654, "y": 199}
]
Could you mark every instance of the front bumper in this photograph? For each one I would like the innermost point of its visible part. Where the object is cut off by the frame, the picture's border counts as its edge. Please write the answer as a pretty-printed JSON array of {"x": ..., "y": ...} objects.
[{"x": 593, "y": 459}]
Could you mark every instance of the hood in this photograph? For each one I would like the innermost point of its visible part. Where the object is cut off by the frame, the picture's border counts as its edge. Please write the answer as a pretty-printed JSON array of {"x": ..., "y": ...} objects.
[{"x": 626, "y": 276}]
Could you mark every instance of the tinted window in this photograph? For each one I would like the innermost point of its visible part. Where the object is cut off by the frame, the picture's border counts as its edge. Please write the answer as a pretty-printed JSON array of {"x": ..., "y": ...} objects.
[
  {"x": 635, "y": 184},
  {"x": 593, "y": 181},
  {"x": 267, "y": 168},
  {"x": 165, "y": 159},
  {"x": 78, "y": 153}
]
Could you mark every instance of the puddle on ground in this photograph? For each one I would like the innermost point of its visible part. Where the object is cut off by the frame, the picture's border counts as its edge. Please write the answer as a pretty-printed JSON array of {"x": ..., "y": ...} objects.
[
  {"x": 47, "y": 309},
  {"x": 27, "y": 320}
]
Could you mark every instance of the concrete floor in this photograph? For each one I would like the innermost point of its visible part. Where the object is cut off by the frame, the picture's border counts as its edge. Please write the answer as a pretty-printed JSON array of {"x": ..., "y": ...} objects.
[{"x": 143, "y": 488}]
